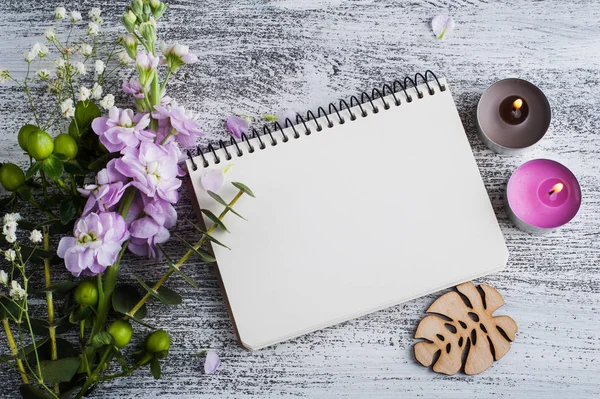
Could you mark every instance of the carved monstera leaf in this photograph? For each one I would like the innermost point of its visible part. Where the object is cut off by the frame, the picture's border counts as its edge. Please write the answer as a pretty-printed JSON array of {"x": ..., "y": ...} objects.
[{"x": 464, "y": 332}]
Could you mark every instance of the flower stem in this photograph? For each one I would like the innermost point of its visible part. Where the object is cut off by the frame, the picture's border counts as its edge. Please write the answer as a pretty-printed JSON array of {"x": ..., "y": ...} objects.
[
  {"x": 94, "y": 377},
  {"x": 13, "y": 349},
  {"x": 49, "y": 302},
  {"x": 183, "y": 259}
]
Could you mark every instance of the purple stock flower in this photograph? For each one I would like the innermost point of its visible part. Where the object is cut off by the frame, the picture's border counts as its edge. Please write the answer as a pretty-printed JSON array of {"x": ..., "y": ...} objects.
[
  {"x": 237, "y": 125},
  {"x": 212, "y": 362},
  {"x": 185, "y": 129},
  {"x": 154, "y": 169},
  {"x": 146, "y": 64},
  {"x": 96, "y": 243},
  {"x": 121, "y": 129},
  {"x": 133, "y": 87},
  {"x": 151, "y": 229},
  {"x": 107, "y": 192}
]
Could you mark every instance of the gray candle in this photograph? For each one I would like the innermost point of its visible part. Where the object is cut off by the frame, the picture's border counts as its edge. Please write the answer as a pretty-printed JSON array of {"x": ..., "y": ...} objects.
[{"x": 512, "y": 115}]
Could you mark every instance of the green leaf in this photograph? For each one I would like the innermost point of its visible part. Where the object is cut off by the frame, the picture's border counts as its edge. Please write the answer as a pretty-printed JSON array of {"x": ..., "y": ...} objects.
[
  {"x": 68, "y": 210},
  {"x": 125, "y": 298},
  {"x": 202, "y": 254},
  {"x": 208, "y": 236},
  {"x": 243, "y": 188},
  {"x": 61, "y": 370},
  {"x": 85, "y": 113},
  {"x": 8, "y": 309},
  {"x": 40, "y": 327},
  {"x": 79, "y": 314},
  {"x": 155, "y": 368},
  {"x": 221, "y": 201},
  {"x": 62, "y": 288},
  {"x": 120, "y": 359},
  {"x": 271, "y": 118},
  {"x": 73, "y": 167},
  {"x": 53, "y": 167},
  {"x": 102, "y": 339},
  {"x": 101, "y": 162},
  {"x": 38, "y": 255},
  {"x": 23, "y": 352},
  {"x": 214, "y": 218},
  {"x": 174, "y": 268},
  {"x": 28, "y": 391},
  {"x": 33, "y": 169},
  {"x": 61, "y": 157},
  {"x": 24, "y": 192},
  {"x": 163, "y": 294}
]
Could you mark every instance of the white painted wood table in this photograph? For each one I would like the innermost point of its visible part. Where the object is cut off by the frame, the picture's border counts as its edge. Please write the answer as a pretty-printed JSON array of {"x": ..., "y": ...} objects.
[{"x": 260, "y": 56}]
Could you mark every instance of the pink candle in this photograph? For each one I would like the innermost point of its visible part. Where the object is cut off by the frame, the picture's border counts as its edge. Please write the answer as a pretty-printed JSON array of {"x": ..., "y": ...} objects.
[{"x": 542, "y": 195}]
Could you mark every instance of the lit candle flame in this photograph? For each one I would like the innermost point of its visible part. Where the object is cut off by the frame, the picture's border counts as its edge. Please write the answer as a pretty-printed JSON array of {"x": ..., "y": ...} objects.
[
  {"x": 557, "y": 188},
  {"x": 517, "y": 104}
]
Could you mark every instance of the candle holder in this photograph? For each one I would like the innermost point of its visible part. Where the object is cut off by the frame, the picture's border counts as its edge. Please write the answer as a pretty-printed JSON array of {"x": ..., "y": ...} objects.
[
  {"x": 542, "y": 195},
  {"x": 512, "y": 115}
]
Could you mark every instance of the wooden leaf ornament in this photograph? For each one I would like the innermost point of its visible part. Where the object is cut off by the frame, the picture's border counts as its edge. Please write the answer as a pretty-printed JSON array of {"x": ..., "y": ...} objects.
[{"x": 463, "y": 331}]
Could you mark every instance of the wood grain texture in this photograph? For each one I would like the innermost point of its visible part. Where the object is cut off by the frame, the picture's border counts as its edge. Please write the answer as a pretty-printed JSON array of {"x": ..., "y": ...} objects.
[{"x": 260, "y": 56}]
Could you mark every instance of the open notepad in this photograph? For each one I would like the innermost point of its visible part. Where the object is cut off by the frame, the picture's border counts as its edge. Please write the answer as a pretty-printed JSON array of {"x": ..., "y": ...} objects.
[{"x": 351, "y": 218}]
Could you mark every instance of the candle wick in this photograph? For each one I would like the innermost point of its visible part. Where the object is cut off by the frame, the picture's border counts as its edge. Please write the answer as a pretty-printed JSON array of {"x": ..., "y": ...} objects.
[{"x": 516, "y": 113}]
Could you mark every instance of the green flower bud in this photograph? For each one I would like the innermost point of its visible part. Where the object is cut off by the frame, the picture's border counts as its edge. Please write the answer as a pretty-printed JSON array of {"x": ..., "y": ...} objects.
[
  {"x": 40, "y": 145},
  {"x": 158, "y": 343},
  {"x": 137, "y": 7},
  {"x": 86, "y": 293},
  {"x": 130, "y": 43},
  {"x": 158, "y": 8},
  {"x": 66, "y": 145},
  {"x": 11, "y": 176},
  {"x": 148, "y": 31},
  {"x": 129, "y": 20},
  {"x": 122, "y": 332}
]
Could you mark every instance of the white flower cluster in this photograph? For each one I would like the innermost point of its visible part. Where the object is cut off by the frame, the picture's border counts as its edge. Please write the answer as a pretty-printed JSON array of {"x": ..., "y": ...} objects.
[
  {"x": 37, "y": 50},
  {"x": 36, "y": 236},
  {"x": 16, "y": 291},
  {"x": 10, "y": 226}
]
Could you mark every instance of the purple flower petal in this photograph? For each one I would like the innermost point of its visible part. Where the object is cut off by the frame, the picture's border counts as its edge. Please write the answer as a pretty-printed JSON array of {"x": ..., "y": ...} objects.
[
  {"x": 212, "y": 362},
  {"x": 237, "y": 125}
]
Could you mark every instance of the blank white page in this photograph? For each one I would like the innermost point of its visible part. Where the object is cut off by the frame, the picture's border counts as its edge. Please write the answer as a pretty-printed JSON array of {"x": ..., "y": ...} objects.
[{"x": 351, "y": 219}]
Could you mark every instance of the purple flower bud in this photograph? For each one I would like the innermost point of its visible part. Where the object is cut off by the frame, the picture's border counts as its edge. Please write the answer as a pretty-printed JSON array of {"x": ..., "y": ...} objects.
[
  {"x": 96, "y": 243},
  {"x": 133, "y": 87}
]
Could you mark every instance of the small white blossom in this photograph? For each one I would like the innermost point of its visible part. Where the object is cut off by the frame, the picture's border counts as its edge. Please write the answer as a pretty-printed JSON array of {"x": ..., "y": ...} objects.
[
  {"x": 36, "y": 48},
  {"x": 124, "y": 58},
  {"x": 10, "y": 238},
  {"x": 12, "y": 217},
  {"x": 67, "y": 109},
  {"x": 30, "y": 56},
  {"x": 49, "y": 34},
  {"x": 9, "y": 228},
  {"x": 60, "y": 63},
  {"x": 107, "y": 102},
  {"x": 97, "y": 91},
  {"x": 85, "y": 50},
  {"x": 80, "y": 68},
  {"x": 75, "y": 16},
  {"x": 60, "y": 12},
  {"x": 93, "y": 28},
  {"x": 99, "y": 66},
  {"x": 94, "y": 13},
  {"x": 16, "y": 292},
  {"x": 10, "y": 255},
  {"x": 4, "y": 75},
  {"x": 84, "y": 93},
  {"x": 3, "y": 276},
  {"x": 43, "y": 51},
  {"x": 43, "y": 74},
  {"x": 35, "y": 236}
]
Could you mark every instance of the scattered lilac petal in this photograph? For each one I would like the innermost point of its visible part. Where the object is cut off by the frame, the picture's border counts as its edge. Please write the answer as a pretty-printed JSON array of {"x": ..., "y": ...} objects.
[
  {"x": 213, "y": 180},
  {"x": 237, "y": 125},
  {"x": 442, "y": 25},
  {"x": 212, "y": 362},
  {"x": 283, "y": 116}
]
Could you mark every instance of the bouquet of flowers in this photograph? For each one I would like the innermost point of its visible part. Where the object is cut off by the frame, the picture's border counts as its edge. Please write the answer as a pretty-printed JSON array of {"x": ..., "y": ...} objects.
[{"x": 105, "y": 184}]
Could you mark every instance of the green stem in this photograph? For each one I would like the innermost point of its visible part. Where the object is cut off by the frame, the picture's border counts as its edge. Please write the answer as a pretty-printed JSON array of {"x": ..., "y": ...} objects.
[
  {"x": 154, "y": 99},
  {"x": 47, "y": 212},
  {"x": 13, "y": 349},
  {"x": 86, "y": 365},
  {"x": 44, "y": 184},
  {"x": 49, "y": 302},
  {"x": 162, "y": 87},
  {"x": 94, "y": 377},
  {"x": 183, "y": 259},
  {"x": 37, "y": 357}
]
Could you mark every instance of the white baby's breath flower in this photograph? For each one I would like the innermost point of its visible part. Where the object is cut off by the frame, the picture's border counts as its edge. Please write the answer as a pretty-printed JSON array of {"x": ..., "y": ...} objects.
[
  {"x": 67, "y": 109},
  {"x": 124, "y": 58},
  {"x": 85, "y": 50},
  {"x": 80, "y": 68},
  {"x": 4, "y": 75},
  {"x": 94, "y": 13},
  {"x": 99, "y": 66},
  {"x": 93, "y": 28},
  {"x": 107, "y": 102},
  {"x": 84, "y": 93},
  {"x": 16, "y": 292},
  {"x": 43, "y": 74},
  {"x": 60, "y": 63},
  {"x": 49, "y": 34},
  {"x": 9, "y": 228},
  {"x": 60, "y": 13},
  {"x": 10, "y": 255},
  {"x": 36, "y": 236},
  {"x": 75, "y": 16},
  {"x": 10, "y": 238},
  {"x": 36, "y": 48},
  {"x": 29, "y": 56},
  {"x": 43, "y": 51},
  {"x": 3, "y": 275},
  {"x": 97, "y": 91},
  {"x": 12, "y": 217}
]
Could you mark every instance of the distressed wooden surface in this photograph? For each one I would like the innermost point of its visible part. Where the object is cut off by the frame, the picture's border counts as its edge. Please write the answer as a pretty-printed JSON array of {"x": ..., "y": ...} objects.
[{"x": 259, "y": 56}]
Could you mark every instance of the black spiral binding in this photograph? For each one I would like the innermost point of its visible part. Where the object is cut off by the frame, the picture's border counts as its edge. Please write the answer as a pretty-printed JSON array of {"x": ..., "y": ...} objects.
[{"x": 365, "y": 99}]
